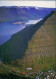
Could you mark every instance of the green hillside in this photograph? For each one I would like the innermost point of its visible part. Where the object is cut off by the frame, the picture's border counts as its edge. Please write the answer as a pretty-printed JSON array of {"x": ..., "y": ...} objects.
[
  {"x": 10, "y": 72},
  {"x": 41, "y": 53},
  {"x": 16, "y": 46},
  {"x": 43, "y": 41},
  {"x": 41, "y": 50},
  {"x": 33, "y": 47}
]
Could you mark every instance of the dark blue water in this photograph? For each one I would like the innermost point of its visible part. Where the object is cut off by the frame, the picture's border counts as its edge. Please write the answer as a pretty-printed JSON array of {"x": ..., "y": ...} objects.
[
  {"x": 13, "y": 13},
  {"x": 7, "y": 29}
]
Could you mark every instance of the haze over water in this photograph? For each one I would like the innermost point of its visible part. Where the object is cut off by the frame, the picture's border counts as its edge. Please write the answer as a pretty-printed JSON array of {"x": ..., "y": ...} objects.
[
  {"x": 13, "y": 19},
  {"x": 8, "y": 29}
]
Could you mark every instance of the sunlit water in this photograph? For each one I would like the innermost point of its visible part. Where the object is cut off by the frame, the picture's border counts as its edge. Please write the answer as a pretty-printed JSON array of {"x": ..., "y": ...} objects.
[{"x": 8, "y": 29}]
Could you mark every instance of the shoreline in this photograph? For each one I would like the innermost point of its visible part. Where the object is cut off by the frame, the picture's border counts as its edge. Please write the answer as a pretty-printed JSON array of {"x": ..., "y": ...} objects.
[
  {"x": 27, "y": 24},
  {"x": 19, "y": 41}
]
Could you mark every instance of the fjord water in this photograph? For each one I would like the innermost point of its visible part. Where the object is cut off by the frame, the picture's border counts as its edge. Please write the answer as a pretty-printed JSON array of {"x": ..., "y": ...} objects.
[
  {"x": 31, "y": 15},
  {"x": 7, "y": 29}
]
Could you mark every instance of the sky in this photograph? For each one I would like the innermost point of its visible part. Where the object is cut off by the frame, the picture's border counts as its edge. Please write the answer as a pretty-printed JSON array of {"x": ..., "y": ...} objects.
[
  {"x": 49, "y": 4},
  {"x": 27, "y": 0}
]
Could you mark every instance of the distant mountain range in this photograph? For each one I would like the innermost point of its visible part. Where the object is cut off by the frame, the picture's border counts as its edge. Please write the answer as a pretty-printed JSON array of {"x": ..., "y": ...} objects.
[{"x": 13, "y": 13}]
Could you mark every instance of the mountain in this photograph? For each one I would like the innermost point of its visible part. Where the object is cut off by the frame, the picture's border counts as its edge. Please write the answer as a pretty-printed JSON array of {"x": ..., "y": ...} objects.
[
  {"x": 41, "y": 51},
  {"x": 15, "y": 13},
  {"x": 33, "y": 47},
  {"x": 15, "y": 47}
]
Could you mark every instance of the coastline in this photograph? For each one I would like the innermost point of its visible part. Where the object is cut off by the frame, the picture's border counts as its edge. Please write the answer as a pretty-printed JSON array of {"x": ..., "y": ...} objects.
[
  {"x": 23, "y": 24},
  {"x": 19, "y": 41}
]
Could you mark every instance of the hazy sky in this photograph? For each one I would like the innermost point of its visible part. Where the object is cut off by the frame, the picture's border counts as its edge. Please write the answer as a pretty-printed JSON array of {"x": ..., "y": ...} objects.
[
  {"x": 50, "y": 4},
  {"x": 27, "y": 0}
]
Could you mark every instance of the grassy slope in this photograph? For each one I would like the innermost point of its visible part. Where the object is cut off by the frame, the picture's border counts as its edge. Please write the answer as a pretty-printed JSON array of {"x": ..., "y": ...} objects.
[
  {"x": 41, "y": 50},
  {"x": 16, "y": 46},
  {"x": 40, "y": 53},
  {"x": 44, "y": 40},
  {"x": 2, "y": 70},
  {"x": 8, "y": 72},
  {"x": 37, "y": 43}
]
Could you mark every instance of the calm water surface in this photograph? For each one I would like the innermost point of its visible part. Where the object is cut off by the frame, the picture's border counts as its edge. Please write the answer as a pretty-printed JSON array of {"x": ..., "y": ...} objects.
[{"x": 7, "y": 29}]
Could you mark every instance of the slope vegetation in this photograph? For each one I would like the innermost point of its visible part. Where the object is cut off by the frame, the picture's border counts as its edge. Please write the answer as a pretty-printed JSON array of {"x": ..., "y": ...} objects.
[
  {"x": 41, "y": 51},
  {"x": 15, "y": 48},
  {"x": 43, "y": 41}
]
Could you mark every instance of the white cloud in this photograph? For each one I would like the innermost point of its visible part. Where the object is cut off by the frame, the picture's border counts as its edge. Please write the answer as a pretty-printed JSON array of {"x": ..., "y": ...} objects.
[
  {"x": 50, "y": 4},
  {"x": 36, "y": 8}
]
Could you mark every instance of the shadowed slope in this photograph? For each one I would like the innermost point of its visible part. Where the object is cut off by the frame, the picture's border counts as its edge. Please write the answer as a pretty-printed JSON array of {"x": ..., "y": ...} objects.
[
  {"x": 16, "y": 46},
  {"x": 43, "y": 41},
  {"x": 41, "y": 51}
]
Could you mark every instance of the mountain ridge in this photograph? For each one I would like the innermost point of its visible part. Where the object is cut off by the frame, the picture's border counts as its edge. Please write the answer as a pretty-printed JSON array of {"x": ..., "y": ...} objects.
[
  {"x": 16, "y": 13},
  {"x": 19, "y": 41}
]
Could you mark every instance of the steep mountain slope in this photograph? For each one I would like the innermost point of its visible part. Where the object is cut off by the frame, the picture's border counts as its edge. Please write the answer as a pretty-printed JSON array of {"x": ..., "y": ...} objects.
[
  {"x": 41, "y": 51},
  {"x": 16, "y": 47},
  {"x": 7, "y": 72},
  {"x": 35, "y": 45},
  {"x": 44, "y": 40}
]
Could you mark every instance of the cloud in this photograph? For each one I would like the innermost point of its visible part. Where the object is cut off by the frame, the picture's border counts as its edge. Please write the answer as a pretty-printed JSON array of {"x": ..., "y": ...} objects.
[
  {"x": 50, "y": 4},
  {"x": 27, "y": 0},
  {"x": 36, "y": 8}
]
